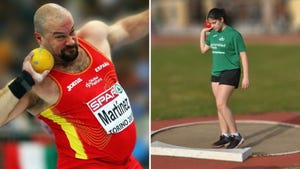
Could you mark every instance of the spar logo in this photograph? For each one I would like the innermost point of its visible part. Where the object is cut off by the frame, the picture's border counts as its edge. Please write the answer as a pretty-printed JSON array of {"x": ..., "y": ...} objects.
[
  {"x": 119, "y": 89},
  {"x": 105, "y": 97}
]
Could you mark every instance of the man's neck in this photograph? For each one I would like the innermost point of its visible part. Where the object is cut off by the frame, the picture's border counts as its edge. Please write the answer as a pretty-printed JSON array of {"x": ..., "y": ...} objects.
[{"x": 76, "y": 66}]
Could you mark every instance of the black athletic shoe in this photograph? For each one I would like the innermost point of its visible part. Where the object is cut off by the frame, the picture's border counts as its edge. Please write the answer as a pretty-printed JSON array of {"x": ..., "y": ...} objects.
[
  {"x": 221, "y": 142},
  {"x": 235, "y": 141}
]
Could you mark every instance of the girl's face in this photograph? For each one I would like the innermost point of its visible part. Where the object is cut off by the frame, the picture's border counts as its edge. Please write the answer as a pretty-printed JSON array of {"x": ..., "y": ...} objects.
[{"x": 216, "y": 24}]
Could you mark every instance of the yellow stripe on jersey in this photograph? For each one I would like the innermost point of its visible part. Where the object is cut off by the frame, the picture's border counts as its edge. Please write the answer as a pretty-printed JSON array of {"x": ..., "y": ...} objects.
[{"x": 70, "y": 132}]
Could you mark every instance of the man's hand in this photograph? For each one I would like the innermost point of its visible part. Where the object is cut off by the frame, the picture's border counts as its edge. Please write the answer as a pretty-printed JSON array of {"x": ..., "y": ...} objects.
[{"x": 37, "y": 77}]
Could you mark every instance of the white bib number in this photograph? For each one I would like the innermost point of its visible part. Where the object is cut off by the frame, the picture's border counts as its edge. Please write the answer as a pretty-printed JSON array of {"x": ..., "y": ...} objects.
[{"x": 112, "y": 109}]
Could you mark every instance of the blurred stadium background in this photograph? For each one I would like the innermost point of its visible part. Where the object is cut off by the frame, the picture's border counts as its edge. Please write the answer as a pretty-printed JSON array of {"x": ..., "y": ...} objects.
[
  {"x": 23, "y": 142},
  {"x": 180, "y": 74},
  {"x": 249, "y": 17}
]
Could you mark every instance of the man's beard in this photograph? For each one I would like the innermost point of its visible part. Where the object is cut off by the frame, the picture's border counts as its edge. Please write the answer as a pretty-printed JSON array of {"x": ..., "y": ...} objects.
[{"x": 72, "y": 55}]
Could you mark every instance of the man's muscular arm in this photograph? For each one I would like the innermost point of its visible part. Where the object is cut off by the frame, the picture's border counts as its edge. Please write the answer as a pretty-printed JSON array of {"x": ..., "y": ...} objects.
[
  {"x": 15, "y": 97},
  {"x": 123, "y": 31},
  {"x": 129, "y": 29},
  {"x": 10, "y": 105},
  {"x": 7, "y": 103}
]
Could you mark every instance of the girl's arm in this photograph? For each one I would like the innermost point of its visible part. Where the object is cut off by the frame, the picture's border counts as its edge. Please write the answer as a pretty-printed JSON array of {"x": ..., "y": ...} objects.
[
  {"x": 203, "y": 47},
  {"x": 244, "y": 60}
]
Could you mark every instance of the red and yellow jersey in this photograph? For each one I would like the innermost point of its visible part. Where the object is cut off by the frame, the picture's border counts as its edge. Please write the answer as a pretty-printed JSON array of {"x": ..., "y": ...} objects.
[{"x": 92, "y": 120}]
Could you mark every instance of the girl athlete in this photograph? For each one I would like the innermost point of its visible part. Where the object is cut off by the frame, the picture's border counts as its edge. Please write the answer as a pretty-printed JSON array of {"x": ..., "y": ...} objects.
[{"x": 228, "y": 51}]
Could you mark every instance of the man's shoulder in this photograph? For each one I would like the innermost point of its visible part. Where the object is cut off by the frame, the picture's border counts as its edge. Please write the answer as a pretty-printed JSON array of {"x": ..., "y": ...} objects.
[{"x": 92, "y": 28}]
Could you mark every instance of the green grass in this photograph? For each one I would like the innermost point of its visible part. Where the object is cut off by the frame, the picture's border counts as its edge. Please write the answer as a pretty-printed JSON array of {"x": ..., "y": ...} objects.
[{"x": 180, "y": 81}]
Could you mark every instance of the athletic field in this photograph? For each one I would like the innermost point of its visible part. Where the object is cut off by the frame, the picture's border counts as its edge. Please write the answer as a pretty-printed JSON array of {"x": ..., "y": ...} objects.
[
  {"x": 180, "y": 81},
  {"x": 181, "y": 94}
]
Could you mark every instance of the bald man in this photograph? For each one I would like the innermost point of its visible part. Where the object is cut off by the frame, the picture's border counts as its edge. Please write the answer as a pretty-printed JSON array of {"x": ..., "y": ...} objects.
[{"x": 80, "y": 98}]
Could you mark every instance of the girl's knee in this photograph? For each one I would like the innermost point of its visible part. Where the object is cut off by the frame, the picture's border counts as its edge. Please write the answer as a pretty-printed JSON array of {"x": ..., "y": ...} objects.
[{"x": 221, "y": 106}]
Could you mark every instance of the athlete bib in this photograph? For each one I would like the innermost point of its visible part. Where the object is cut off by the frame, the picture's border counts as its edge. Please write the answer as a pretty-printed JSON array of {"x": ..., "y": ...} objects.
[{"x": 112, "y": 109}]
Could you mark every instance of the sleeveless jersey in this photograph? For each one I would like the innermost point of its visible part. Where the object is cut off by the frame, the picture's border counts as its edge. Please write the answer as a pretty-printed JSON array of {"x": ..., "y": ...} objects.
[{"x": 92, "y": 121}]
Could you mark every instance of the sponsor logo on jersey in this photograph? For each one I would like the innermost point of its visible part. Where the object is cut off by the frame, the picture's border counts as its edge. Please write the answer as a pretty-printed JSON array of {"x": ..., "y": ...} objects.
[
  {"x": 92, "y": 82},
  {"x": 222, "y": 39},
  {"x": 73, "y": 84}
]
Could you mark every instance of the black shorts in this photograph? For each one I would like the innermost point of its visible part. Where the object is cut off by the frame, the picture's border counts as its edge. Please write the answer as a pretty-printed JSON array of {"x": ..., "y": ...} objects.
[{"x": 228, "y": 77}]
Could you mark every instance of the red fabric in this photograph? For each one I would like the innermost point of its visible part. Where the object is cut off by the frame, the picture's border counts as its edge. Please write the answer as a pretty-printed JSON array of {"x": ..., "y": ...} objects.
[
  {"x": 131, "y": 163},
  {"x": 109, "y": 149},
  {"x": 10, "y": 156}
]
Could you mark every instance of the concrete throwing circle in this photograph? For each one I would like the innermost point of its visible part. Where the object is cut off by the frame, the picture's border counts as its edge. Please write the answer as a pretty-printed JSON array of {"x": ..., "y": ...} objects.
[{"x": 264, "y": 137}]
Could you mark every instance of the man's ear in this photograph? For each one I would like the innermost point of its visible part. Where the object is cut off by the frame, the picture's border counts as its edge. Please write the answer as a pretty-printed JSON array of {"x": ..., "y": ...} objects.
[{"x": 38, "y": 37}]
